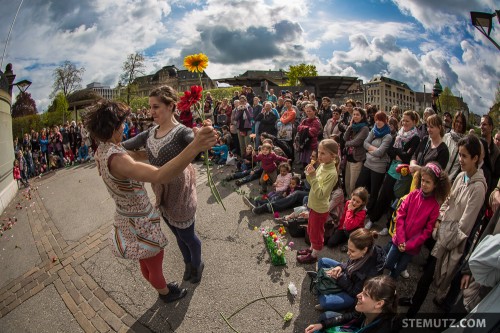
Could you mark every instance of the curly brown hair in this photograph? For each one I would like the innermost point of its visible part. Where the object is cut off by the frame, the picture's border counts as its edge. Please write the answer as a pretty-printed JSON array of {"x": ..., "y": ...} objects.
[{"x": 104, "y": 117}]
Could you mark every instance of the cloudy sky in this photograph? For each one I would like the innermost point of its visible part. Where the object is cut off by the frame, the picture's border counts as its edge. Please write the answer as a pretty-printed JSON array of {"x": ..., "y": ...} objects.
[{"x": 414, "y": 41}]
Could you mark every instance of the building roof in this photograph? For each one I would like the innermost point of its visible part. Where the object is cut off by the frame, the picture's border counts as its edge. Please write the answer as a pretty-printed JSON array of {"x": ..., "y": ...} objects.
[
  {"x": 331, "y": 86},
  {"x": 377, "y": 79},
  {"x": 253, "y": 78}
]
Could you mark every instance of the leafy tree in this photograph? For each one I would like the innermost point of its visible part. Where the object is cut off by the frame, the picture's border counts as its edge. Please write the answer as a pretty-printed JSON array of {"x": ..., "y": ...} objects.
[
  {"x": 132, "y": 66},
  {"x": 302, "y": 70},
  {"x": 23, "y": 106},
  {"x": 495, "y": 109},
  {"x": 58, "y": 111},
  {"x": 67, "y": 79},
  {"x": 447, "y": 101}
]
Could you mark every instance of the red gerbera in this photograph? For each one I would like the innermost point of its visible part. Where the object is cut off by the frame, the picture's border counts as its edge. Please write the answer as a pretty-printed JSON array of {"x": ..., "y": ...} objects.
[{"x": 190, "y": 98}]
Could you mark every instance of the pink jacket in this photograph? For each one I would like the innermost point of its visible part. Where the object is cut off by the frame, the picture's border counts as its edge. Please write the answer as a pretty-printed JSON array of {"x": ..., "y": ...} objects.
[
  {"x": 416, "y": 217},
  {"x": 350, "y": 219}
]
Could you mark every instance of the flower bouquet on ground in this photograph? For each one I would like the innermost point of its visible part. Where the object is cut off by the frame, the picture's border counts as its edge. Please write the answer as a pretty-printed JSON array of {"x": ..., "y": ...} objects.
[{"x": 276, "y": 244}]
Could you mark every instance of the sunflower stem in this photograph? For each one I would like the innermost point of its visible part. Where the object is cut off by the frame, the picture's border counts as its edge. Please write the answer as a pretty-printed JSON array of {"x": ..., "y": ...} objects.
[{"x": 211, "y": 183}]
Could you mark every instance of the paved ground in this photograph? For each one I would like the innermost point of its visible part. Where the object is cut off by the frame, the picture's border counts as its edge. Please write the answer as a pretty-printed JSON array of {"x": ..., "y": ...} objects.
[{"x": 57, "y": 273}]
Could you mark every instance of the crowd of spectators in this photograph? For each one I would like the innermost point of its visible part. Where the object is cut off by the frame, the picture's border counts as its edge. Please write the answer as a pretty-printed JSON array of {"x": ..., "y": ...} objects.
[{"x": 384, "y": 161}]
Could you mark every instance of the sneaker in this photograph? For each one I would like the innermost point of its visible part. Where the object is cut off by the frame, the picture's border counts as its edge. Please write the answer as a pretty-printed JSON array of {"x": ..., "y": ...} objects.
[
  {"x": 404, "y": 274},
  {"x": 260, "y": 210},
  {"x": 175, "y": 293},
  {"x": 384, "y": 232},
  {"x": 238, "y": 183},
  {"x": 229, "y": 178},
  {"x": 312, "y": 274},
  {"x": 197, "y": 272},
  {"x": 307, "y": 259},
  {"x": 368, "y": 225},
  {"x": 304, "y": 252},
  {"x": 249, "y": 202}
]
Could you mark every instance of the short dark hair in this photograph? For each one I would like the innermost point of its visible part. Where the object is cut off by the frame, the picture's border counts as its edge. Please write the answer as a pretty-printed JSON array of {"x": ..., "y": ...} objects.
[{"x": 104, "y": 117}]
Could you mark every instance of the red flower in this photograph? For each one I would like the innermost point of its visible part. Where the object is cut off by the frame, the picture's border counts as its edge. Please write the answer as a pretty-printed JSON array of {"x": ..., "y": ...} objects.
[{"x": 190, "y": 98}]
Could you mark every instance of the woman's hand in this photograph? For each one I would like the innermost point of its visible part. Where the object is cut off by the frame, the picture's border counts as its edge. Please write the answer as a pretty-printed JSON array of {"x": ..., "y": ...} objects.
[
  {"x": 414, "y": 167},
  {"x": 205, "y": 138},
  {"x": 334, "y": 273},
  {"x": 402, "y": 247},
  {"x": 313, "y": 328},
  {"x": 496, "y": 201}
]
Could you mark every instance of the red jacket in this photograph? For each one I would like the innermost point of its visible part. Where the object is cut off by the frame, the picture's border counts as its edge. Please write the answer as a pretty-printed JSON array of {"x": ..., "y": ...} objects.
[
  {"x": 416, "y": 217},
  {"x": 16, "y": 173},
  {"x": 269, "y": 161},
  {"x": 350, "y": 219}
]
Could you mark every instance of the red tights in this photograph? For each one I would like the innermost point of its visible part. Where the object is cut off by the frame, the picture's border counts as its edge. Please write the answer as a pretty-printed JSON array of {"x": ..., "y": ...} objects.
[{"x": 152, "y": 270}]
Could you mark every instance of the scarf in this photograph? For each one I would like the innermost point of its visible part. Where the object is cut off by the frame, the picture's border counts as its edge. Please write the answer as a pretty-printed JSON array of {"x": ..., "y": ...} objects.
[
  {"x": 354, "y": 265},
  {"x": 356, "y": 127},
  {"x": 403, "y": 137},
  {"x": 382, "y": 131},
  {"x": 456, "y": 136}
]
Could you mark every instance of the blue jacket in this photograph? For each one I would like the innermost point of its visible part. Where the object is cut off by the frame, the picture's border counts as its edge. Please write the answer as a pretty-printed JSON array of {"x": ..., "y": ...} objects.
[
  {"x": 83, "y": 152},
  {"x": 221, "y": 150}
]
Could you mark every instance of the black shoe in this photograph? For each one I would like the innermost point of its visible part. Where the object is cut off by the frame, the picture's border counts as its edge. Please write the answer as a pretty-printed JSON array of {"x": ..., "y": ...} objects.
[
  {"x": 187, "y": 272},
  {"x": 238, "y": 183},
  {"x": 197, "y": 272},
  {"x": 229, "y": 178},
  {"x": 175, "y": 293},
  {"x": 312, "y": 274},
  {"x": 405, "y": 301}
]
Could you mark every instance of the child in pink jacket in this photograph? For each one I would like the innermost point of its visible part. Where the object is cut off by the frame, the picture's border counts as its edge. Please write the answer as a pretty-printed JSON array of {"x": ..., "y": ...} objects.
[{"x": 416, "y": 217}]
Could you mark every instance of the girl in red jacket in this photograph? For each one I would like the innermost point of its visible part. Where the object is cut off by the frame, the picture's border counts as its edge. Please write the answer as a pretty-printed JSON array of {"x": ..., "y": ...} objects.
[
  {"x": 416, "y": 217},
  {"x": 352, "y": 218}
]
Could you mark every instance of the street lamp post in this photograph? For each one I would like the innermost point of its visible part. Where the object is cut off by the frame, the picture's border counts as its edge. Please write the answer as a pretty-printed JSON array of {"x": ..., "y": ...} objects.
[
  {"x": 437, "y": 89},
  {"x": 482, "y": 21}
]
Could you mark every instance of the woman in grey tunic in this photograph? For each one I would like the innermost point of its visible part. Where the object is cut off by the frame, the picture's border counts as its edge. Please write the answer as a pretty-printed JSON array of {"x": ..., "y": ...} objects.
[{"x": 177, "y": 200}]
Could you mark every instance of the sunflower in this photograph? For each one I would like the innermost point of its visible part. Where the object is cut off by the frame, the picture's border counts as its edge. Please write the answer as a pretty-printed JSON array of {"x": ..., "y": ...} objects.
[{"x": 196, "y": 62}]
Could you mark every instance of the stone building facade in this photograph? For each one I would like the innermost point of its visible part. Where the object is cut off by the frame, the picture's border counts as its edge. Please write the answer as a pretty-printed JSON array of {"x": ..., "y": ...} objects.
[{"x": 384, "y": 92}]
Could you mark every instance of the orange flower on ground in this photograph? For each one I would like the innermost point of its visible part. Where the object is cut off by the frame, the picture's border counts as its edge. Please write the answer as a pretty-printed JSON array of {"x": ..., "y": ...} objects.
[{"x": 196, "y": 62}]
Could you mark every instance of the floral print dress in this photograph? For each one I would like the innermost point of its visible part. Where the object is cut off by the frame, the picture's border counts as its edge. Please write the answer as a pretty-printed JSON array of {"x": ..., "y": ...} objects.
[{"x": 136, "y": 232}]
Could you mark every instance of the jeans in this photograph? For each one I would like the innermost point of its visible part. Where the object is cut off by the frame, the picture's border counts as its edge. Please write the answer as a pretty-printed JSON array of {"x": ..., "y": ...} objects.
[
  {"x": 397, "y": 261},
  {"x": 188, "y": 242},
  {"x": 293, "y": 200},
  {"x": 338, "y": 301}
]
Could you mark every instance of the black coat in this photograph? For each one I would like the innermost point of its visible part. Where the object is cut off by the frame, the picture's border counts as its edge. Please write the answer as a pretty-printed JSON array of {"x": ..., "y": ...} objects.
[
  {"x": 267, "y": 123},
  {"x": 382, "y": 324},
  {"x": 374, "y": 266}
]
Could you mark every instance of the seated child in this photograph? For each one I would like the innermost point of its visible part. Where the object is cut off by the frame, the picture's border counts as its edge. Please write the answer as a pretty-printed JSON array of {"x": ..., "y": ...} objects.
[
  {"x": 246, "y": 161},
  {"x": 269, "y": 160},
  {"x": 83, "y": 153},
  {"x": 281, "y": 186},
  {"x": 352, "y": 218},
  {"x": 221, "y": 152},
  {"x": 69, "y": 158}
]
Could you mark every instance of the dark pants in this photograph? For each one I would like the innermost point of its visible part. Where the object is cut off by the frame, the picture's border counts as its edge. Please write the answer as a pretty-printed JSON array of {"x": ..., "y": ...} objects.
[
  {"x": 188, "y": 242},
  {"x": 245, "y": 176},
  {"x": 385, "y": 198},
  {"x": 293, "y": 200},
  {"x": 423, "y": 286},
  {"x": 372, "y": 181}
]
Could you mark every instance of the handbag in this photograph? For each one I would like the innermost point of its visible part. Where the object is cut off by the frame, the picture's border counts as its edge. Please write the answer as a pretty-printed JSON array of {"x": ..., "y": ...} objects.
[
  {"x": 297, "y": 227},
  {"x": 322, "y": 284}
]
